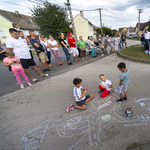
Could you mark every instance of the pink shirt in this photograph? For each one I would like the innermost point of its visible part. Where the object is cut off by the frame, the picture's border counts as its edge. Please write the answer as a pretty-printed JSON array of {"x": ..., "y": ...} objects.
[
  {"x": 45, "y": 43},
  {"x": 15, "y": 66}
]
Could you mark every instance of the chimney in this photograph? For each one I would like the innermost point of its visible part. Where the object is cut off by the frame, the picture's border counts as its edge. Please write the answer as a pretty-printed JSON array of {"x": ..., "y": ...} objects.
[
  {"x": 18, "y": 15},
  {"x": 81, "y": 13}
]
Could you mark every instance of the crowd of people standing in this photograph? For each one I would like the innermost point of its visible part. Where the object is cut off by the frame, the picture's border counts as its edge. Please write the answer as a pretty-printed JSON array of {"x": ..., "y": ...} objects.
[{"x": 18, "y": 49}]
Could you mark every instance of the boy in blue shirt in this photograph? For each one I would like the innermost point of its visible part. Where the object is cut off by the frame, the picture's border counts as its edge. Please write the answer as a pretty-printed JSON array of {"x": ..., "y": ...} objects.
[{"x": 124, "y": 81}]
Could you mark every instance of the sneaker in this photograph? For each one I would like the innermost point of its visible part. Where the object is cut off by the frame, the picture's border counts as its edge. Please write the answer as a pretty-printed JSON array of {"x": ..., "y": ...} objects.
[
  {"x": 125, "y": 98},
  {"x": 102, "y": 54},
  {"x": 70, "y": 63},
  {"x": 29, "y": 84},
  {"x": 119, "y": 100},
  {"x": 52, "y": 67},
  {"x": 86, "y": 58},
  {"x": 47, "y": 69},
  {"x": 44, "y": 70},
  {"x": 22, "y": 87},
  {"x": 83, "y": 59},
  {"x": 70, "y": 108},
  {"x": 100, "y": 91}
]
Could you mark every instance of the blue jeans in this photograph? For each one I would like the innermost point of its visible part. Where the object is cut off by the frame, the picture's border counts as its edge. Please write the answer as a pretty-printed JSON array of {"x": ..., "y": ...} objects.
[
  {"x": 93, "y": 52},
  {"x": 142, "y": 42},
  {"x": 120, "y": 46},
  {"x": 68, "y": 55},
  {"x": 49, "y": 57},
  {"x": 146, "y": 44},
  {"x": 124, "y": 42},
  {"x": 103, "y": 50}
]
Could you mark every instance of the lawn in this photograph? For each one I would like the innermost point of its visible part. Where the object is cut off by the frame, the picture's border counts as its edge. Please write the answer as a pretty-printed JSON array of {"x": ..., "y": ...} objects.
[
  {"x": 135, "y": 39},
  {"x": 135, "y": 51}
]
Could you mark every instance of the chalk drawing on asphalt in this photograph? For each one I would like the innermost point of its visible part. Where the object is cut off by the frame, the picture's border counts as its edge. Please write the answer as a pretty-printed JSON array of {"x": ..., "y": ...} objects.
[{"x": 88, "y": 123}]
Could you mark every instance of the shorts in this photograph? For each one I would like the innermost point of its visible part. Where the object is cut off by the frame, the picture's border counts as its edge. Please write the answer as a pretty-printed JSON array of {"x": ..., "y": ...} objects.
[
  {"x": 75, "y": 51},
  {"x": 31, "y": 54},
  {"x": 83, "y": 102},
  {"x": 122, "y": 89},
  {"x": 43, "y": 57},
  {"x": 112, "y": 44},
  {"x": 26, "y": 63}
]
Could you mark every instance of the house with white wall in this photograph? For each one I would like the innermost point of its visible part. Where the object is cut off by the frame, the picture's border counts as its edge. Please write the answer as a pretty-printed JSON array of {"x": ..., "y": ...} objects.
[{"x": 130, "y": 31}]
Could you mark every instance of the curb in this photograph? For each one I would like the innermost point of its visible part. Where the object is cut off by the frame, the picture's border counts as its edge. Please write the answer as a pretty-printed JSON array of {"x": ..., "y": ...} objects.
[{"x": 132, "y": 58}]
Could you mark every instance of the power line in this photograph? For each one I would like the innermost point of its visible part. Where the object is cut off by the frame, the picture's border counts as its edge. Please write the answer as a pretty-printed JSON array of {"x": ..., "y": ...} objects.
[{"x": 14, "y": 4}]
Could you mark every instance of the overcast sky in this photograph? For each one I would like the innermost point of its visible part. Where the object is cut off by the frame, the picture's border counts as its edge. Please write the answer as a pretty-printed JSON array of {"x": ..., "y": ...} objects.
[{"x": 115, "y": 13}]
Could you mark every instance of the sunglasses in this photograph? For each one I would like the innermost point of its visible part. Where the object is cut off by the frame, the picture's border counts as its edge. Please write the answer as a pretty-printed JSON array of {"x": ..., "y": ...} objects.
[{"x": 42, "y": 37}]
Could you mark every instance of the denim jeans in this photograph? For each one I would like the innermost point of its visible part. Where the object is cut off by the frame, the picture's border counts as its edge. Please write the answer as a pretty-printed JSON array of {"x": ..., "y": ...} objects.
[
  {"x": 68, "y": 55},
  {"x": 103, "y": 50},
  {"x": 49, "y": 57},
  {"x": 142, "y": 42},
  {"x": 146, "y": 44},
  {"x": 122, "y": 43}
]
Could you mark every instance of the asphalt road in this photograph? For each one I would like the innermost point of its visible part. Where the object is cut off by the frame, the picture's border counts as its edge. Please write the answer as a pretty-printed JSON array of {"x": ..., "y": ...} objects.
[
  {"x": 35, "y": 117},
  {"x": 9, "y": 84}
]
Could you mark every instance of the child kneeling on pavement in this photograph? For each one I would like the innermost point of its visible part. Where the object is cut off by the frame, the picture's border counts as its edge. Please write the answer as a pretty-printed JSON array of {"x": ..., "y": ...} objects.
[
  {"x": 104, "y": 86},
  {"x": 79, "y": 94}
]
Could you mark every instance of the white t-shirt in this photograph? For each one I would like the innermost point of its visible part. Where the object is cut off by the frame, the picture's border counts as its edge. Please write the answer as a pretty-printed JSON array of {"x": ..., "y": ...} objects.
[
  {"x": 53, "y": 42},
  {"x": 20, "y": 48},
  {"x": 147, "y": 35},
  {"x": 91, "y": 42},
  {"x": 112, "y": 40},
  {"x": 116, "y": 39},
  {"x": 77, "y": 92},
  {"x": 107, "y": 83},
  {"x": 24, "y": 39},
  {"x": 45, "y": 43}
]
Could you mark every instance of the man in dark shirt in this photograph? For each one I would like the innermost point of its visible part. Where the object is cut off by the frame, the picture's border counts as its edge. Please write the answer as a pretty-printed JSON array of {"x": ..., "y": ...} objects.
[
  {"x": 40, "y": 50},
  {"x": 123, "y": 38}
]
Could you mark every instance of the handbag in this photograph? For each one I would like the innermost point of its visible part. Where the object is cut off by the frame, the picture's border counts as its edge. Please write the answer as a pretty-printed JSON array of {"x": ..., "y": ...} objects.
[{"x": 83, "y": 48}]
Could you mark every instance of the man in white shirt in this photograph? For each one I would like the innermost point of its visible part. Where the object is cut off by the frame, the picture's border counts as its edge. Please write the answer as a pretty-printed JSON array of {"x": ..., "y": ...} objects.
[
  {"x": 147, "y": 37},
  {"x": 21, "y": 51}
]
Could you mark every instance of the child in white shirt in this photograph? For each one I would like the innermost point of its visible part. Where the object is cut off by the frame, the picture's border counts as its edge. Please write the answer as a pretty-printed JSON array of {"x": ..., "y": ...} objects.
[
  {"x": 104, "y": 86},
  {"x": 79, "y": 94}
]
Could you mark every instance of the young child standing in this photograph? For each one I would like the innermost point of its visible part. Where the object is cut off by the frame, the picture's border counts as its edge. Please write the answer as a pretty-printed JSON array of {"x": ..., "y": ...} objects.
[
  {"x": 104, "y": 86},
  {"x": 14, "y": 62},
  {"x": 124, "y": 81},
  {"x": 79, "y": 94}
]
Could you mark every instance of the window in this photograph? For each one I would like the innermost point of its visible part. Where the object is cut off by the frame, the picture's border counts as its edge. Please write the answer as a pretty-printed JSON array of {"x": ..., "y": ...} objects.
[
  {"x": 31, "y": 21},
  {"x": 2, "y": 34}
]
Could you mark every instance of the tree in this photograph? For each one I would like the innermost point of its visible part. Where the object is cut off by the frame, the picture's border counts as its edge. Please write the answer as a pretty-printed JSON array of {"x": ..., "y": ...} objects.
[
  {"x": 51, "y": 19},
  {"x": 114, "y": 31},
  {"x": 106, "y": 30}
]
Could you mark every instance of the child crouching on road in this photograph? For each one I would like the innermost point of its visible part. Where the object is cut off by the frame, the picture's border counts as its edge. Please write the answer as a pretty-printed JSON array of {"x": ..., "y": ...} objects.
[
  {"x": 104, "y": 86},
  {"x": 79, "y": 94}
]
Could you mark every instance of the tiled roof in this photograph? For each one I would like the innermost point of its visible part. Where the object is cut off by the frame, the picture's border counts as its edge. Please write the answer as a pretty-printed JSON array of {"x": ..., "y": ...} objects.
[{"x": 26, "y": 22}]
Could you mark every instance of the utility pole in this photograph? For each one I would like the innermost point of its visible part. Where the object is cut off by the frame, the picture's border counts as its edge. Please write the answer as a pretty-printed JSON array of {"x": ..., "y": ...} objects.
[
  {"x": 140, "y": 11},
  {"x": 100, "y": 20},
  {"x": 71, "y": 17}
]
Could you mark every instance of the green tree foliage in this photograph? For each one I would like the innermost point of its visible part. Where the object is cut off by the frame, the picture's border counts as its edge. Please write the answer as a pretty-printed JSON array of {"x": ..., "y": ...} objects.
[
  {"x": 149, "y": 26},
  {"x": 106, "y": 31},
  {"x": 51, "y": 19},
  {"x": 114, "y": 31}
]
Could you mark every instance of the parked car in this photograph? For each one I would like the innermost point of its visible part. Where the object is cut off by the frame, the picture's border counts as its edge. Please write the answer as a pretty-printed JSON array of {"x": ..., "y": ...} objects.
[{"x": 133, "y": 36}]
